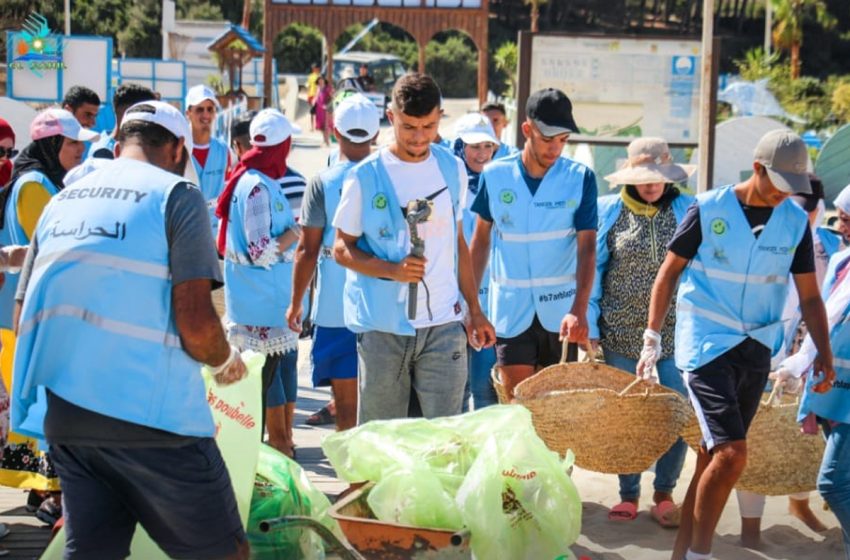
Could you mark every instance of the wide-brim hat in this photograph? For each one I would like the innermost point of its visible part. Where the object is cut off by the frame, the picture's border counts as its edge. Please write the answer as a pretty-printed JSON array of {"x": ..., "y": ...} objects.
[{"x": 650, "y": 161}]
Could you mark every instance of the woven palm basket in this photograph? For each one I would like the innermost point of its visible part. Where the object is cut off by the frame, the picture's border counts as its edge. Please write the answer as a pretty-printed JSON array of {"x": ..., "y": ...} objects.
[
  {"x": 613, "y": 422},
  {"x": 781, "y": 460}
]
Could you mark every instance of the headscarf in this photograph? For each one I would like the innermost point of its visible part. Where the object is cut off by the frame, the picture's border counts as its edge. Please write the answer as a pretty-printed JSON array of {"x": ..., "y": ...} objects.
[
  {"x": 41, "y": 155},
  {"x": 457, "y": 147},
  {"x": 634, "y": 202},
  {"x": 269, "y": 160},
  {"x": 6, "y": 168},
  {"x": 842, "y": 201}
]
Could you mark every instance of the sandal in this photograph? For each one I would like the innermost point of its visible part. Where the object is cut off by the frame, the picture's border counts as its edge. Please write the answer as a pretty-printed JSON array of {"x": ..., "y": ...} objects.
[
  {"x": 321, "y": 417},
  {"x": 624, "y": 511},
  {"x": 50, "y": 511},
  {"x": 667, "y": 514}
]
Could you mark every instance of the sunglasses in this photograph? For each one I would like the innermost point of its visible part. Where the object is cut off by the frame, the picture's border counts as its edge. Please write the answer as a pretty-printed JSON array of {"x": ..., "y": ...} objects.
[{"x": 8, "y": 152}]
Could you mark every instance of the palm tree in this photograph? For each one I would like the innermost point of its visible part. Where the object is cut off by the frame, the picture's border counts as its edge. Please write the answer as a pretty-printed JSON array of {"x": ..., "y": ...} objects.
[{"x": 790, "y": 15}]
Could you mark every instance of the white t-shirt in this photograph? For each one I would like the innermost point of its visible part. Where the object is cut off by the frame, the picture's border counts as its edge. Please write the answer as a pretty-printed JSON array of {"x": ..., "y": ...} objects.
[{"x": 411, "y": 181}]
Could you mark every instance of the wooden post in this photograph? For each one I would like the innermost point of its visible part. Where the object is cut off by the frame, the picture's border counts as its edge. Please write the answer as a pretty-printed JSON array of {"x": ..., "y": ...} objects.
[
  {"x": 482, "y": 75},
  {"x": 268, "y": 38},
  {"x": 706, "y": 104}
]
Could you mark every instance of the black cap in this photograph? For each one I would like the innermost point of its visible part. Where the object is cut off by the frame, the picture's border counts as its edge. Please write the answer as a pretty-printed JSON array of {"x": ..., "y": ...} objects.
[
  {"x": 551, "y": 111},
  {"x": 809, "y": 202}
]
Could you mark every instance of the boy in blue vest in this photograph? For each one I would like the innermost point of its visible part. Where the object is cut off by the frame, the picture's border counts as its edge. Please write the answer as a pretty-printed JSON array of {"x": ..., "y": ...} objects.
[
  {"x": 127, "y": 418},
  {"x": 412, "y": 185},
  {"x": 538, "y": 209},
  {"x": 334, "y": 351},
  {"x": 210, "y": 156},
  {"x": 125, "y": 96},
  {"x": 736, "y": 247}
]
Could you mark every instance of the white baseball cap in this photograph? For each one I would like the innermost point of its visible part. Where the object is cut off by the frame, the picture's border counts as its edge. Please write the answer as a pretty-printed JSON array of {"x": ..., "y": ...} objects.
[
  {"x": 270, "y": 127},
  {"x": 200, "y": 93},
  {"x": 169, "y": 118},
  {"x": 475, "y": 128},
  {"x": 356, "y": 118},
  {"x": 59, "y": 122}
]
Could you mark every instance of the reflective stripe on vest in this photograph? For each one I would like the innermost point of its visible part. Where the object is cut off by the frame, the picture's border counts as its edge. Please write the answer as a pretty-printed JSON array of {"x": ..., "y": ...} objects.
[
  {"x": 737, "y": 284},
  {"x": 254, "y": 295},
  {"x": 373, "y": 304},
  {"x": 534, "y": 244},
  {"x": 97, "y": 325}
]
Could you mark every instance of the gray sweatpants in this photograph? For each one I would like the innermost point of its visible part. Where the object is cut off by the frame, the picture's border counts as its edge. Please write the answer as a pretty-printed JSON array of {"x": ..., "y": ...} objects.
[{"x": 432, "y": 363}]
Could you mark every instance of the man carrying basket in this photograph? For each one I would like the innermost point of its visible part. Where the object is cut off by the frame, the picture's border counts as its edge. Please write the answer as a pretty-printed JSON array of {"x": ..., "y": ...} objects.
[{"x": 739, "y": 244}]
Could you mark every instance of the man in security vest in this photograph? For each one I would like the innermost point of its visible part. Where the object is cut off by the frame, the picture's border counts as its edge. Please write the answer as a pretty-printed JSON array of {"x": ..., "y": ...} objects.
[
  {"x": 409, "y": 188},
  {"x": 736, "y": 247},
  {"x": 210, "y": 156},
  {"x": 537, "y": 226},
  {"x": 334, "y": 351},
  {"x": 116, "y": 318}
]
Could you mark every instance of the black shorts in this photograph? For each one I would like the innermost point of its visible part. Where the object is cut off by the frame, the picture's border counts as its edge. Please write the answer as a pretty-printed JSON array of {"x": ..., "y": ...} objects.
[
  {"x": 533, "y": 347},
  {"x": 726, "y": 392},
  {"x": 181, "y": 495}
]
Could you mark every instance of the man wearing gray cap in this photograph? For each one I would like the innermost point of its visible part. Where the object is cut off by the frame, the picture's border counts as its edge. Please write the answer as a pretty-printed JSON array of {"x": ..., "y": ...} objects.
[{"x": 736, "y": 247}]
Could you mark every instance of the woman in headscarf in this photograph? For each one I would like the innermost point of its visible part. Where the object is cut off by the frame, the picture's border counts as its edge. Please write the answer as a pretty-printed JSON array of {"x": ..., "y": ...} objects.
[
  {"x": 37, "y": 175},
  {"x": 7, "y": 152},
  {"x": 634, "y": 229},
  {"x": 257, "y": 237},
  {"x": 842, "y": 205},
  {"x": 475, "y": 144}
]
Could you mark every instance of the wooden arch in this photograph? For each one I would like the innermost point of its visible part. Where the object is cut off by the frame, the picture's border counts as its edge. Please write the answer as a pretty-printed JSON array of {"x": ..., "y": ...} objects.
[{"x": 421, "y": 22}]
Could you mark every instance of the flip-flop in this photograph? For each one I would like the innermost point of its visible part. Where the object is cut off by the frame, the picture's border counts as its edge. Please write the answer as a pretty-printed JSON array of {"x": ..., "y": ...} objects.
[
  {"x": 321, "y": 417},
  {"x": 667, "y": 514},
  {"x": 4, "y": 530},
  {"x": 624, "y": 511}
]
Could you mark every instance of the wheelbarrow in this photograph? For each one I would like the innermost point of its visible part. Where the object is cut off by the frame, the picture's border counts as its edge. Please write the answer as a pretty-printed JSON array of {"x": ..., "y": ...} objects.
[{"x": 371, "y": 539}]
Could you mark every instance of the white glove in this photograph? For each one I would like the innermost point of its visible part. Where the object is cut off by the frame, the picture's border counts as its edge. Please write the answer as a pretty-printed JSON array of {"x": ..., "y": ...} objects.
[
  {"x": 786, "y": 380},
  {"x": 649, "y": 355},
  {"x": 12, "y": 258},
  {"x": 232, "y": 370}
]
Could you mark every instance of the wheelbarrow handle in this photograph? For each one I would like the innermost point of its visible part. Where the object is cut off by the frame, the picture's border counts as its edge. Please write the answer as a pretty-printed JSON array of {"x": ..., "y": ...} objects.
[{"x": 343, "y": 549}]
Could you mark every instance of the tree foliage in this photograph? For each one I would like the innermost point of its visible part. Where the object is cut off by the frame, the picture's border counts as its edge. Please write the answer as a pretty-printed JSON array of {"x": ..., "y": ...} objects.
[
  {"x": 790, "y": 16},
  {"x": 297, "y": 47},
  {"x": 454, "y": 65}
]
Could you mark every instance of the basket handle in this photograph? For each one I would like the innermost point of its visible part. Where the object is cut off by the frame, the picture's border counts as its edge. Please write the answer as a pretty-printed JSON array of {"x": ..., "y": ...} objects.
[
  {"x": 630, "y": 385},
  {"x": 569, "y": 352}
]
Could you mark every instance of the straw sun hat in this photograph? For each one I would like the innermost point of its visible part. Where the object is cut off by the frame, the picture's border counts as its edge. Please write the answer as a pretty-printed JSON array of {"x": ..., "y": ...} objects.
[{"x": 650, "y": 161}]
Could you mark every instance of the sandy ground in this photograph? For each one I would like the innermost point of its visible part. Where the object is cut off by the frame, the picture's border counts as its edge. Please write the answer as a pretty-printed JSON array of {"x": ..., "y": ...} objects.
[{"x": 783, "y": 537}]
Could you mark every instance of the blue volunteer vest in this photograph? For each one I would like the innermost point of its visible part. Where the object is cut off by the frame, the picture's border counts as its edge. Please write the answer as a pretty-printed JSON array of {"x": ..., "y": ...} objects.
[
  {"x": 106, "y": 141},
  {"x": 97, "y": 327},
  {"x": 736, "y": 286},
  {"x": 469, "y": 218},
  {"x": 609, "y": 208},
  {"x": 374, "y": 304},
  {"x": 830, "y": 241},
  {"x": 13, "y": 234},
  {"x": 834, "y": 404},
  {"x": 327, "y": 311},
  {"x": 533, "y": 251},
  {"x": 254, "y": 295},
  {"x": 211, "y": 178},
  {"x": 504, "y": 151}
]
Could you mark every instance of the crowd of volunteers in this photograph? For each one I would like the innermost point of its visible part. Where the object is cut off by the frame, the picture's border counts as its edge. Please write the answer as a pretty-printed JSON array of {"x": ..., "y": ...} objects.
[{"x": 420, "y": 265}]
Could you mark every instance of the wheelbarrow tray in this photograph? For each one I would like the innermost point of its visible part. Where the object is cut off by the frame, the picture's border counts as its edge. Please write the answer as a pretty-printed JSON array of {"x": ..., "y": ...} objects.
[{"x": 379, "y": 540}]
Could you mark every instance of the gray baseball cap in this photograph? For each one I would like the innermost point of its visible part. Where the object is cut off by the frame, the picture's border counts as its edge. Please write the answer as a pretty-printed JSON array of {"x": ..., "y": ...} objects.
[{"x": 784, "y": 156}]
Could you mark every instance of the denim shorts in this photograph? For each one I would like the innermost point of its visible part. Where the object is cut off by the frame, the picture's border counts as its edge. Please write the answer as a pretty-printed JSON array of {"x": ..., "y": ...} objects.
[{"x": 182, "y": 496}]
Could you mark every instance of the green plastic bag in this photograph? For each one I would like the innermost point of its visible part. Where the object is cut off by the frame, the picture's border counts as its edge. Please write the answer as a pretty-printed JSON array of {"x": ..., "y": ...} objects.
[
  {"x": 518, "y": 500},
  {"x": 416, "y": 497},
  {"x": 447, "y": 445},
  {"x": 282, "y": 488}
]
